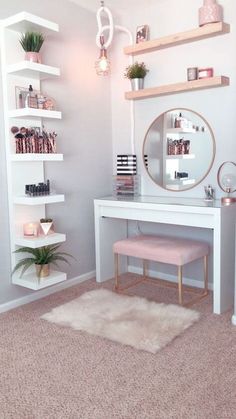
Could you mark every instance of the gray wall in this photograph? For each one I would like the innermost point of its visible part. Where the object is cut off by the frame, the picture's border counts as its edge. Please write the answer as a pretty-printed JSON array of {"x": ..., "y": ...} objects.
[{"x": 84, "y": 135}]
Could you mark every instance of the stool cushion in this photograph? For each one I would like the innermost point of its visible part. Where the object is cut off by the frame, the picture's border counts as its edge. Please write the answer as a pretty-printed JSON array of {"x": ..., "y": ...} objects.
[{"x": 172, "y": 250}]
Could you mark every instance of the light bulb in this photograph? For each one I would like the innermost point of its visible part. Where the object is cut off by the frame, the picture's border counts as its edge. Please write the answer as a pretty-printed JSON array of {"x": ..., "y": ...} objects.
[
  {"x": 229, "y": 182},
  {"x": 102, "y": 65}
]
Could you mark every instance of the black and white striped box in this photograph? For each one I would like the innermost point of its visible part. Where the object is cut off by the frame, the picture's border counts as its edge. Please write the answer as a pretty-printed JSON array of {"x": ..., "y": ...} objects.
[{"x": 126, "y": 164}]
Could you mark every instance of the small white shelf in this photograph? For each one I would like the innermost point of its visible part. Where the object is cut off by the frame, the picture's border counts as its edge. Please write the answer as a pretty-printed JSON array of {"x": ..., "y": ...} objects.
[
  {"x": 32, "y": 282},
  {"x": 36, "y": 157},
  {"x": 38, "y": 200},
  {"x": 35, "y": 242},
  {"x": 34, "y": 113},
  {"x": 182, "y": 181},
  {"x": 180, "y": 130},
  {"x": 24, "y": 22},
  {"x": 180, "y": 156},
  {"x": 33, "y": 70}
]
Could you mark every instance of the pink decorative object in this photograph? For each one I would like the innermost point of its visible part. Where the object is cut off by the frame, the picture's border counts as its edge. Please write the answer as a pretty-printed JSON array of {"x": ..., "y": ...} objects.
[
  {"x": 34, "y": 57},
  {"x": 31, "y": 229},
  {"x": 205, "y": 72},
  {"x": 210, "y": 12}
]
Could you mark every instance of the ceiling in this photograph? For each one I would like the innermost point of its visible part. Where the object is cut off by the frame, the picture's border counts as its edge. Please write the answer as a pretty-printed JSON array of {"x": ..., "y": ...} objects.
[{"x": 115, "y": 5}]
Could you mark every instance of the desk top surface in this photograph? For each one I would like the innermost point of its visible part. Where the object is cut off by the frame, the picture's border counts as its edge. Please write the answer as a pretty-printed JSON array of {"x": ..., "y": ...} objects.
[{"x": 146, "y": 199}]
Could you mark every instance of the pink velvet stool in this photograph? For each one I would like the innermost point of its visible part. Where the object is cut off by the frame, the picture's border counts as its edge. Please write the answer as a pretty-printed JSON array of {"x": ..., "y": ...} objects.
[{"x": 171, "y": 250}]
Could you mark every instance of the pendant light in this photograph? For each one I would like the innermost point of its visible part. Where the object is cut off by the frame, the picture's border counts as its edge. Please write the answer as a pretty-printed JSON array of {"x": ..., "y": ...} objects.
[{"x": 102, "y": 65}]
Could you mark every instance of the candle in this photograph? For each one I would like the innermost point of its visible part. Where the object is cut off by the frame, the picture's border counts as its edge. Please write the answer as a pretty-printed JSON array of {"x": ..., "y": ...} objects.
[{"x": 31, "y": 229}]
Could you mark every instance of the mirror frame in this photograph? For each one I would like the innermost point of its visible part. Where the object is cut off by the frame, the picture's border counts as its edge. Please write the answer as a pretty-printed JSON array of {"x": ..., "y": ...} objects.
[{"x": 213, "y": 151}]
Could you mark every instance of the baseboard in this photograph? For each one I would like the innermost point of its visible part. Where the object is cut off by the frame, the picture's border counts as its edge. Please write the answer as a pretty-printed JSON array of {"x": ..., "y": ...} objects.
[
  {"x": 166, "y": 277},
  {"x": 46, "y": 291}
]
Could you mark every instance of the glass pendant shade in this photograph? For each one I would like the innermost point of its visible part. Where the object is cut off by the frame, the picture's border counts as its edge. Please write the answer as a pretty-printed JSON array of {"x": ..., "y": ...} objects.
[
  {"x": 227, "y": 181},
  {"x": 102, "y": 65}
]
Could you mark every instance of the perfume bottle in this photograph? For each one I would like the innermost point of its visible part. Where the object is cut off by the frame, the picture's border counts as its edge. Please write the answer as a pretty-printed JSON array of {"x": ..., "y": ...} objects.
[{"x": 31, "y": 99}]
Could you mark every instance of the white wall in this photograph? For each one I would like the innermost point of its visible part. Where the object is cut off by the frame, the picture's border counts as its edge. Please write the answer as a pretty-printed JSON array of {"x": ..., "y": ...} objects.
[
  {"x": 169, "y": 66},
  {"x": 217, "y": 106},
  {"x": 84, "y": 135}
]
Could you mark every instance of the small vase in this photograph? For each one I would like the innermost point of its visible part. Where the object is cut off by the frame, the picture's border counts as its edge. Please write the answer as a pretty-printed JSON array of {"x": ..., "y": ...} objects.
[
  {"x": 46, "y": 227},
  {"x": 137, "y": 84},
  {"x": 34, "y": 57},
  {"x": 42, "y": 271},
  {"x": 210, "y": 12}
]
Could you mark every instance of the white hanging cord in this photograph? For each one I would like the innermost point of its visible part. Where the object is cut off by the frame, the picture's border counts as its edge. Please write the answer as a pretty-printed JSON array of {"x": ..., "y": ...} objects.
[
  {"x": 105, "y": 10},
  {"x": 111, "y": 27}
]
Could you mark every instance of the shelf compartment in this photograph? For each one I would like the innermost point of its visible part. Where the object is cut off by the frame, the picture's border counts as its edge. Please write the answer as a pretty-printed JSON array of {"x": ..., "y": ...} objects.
[
  {"x": 35, "y": 242},
  {"x": 34, "y": 113},
  {"x": 180, "y": 156},
  {"x": 181, "y": 131},
  {"x": 31, "y": 280},
  {"x": 196, "y": 34},
  {"x": 207, "y": 83},
  {"x": 36, "y": 157},
  {"x": 27, "y": 22},
  {"x": 33, "y": 70},
  {"x": 183, "y": 181},
  {"x": 38, "y": 200}
]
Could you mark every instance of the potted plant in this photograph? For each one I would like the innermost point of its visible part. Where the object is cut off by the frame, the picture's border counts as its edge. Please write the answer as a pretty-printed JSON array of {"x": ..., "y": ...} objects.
[
  {"x": 31, "y": 43},
  {"x": 46, "y": 224},
  {"x": 41, "y": 257},
  {"x": 136, "y": 73}
]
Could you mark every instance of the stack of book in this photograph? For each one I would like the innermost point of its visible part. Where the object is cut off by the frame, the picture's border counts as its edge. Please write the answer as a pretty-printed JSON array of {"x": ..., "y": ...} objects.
[{"x": 126, "y": 185}]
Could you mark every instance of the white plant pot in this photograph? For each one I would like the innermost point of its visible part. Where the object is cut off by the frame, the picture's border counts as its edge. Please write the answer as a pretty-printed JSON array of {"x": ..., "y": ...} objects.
[{"x": 46, "y": 227}]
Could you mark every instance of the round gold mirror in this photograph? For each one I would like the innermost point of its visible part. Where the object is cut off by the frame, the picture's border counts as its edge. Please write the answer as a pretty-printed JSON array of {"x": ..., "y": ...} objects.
[{"x": 179, "y": 149}]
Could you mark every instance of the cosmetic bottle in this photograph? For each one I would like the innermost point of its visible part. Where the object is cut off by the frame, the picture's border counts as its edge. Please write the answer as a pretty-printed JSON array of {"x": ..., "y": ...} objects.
[
  {"x": 31, "y": 99},
  {"x": 20, "y": 101}
]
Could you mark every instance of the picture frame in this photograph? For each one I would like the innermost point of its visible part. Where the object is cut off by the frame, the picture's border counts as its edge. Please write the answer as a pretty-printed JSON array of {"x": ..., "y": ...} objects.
[{"x": 142, "y": 33}]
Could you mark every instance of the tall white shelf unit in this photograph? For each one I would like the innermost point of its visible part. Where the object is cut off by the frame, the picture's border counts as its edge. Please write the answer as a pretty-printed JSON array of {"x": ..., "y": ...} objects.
[{"x": 23, "y": 169}]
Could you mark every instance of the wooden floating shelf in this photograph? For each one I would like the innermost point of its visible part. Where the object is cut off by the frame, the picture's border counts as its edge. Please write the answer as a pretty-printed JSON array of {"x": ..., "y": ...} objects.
[
  {"x": 218, "y": 81},
  {"x": 38, "y": 200},
  {"x": 206, "y": 31},
  {"x": 32, "y": 282},
  {"x": 27, "y": 22},
  {"x": 34, "y": 113},
  {"x": 33, "y": 70},
  {"x": 36, "y": 157},
  {"x": 39, "y": 241}
]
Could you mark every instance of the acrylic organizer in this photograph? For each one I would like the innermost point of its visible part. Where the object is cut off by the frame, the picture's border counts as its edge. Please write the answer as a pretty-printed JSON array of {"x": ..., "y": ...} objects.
[{"x": 126, "y": 185}]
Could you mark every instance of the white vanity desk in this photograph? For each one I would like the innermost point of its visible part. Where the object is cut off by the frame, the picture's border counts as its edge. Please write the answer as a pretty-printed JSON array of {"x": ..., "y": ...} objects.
[{"x": 111, "y": 215}]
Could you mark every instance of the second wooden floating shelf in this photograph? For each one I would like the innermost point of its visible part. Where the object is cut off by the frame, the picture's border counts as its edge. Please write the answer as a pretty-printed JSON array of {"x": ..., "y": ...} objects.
[
  {"x": 206, "y": 31},
  {"x": 217, "y": 81}
]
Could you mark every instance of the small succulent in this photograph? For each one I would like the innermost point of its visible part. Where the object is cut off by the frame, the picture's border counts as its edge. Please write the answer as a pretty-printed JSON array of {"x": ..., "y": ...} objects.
[
  {"x": 136, "y": 71},
  {"x": 46, "y": 220}
]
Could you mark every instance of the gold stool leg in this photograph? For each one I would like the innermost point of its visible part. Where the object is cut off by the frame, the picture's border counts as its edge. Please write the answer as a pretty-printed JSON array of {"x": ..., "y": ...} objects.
[
  {"x": 145, "y": 268},
  {"x": 206, "y": 274},
  {"x": 116, "y": 265},
  {"x": 180, "y": 285}
]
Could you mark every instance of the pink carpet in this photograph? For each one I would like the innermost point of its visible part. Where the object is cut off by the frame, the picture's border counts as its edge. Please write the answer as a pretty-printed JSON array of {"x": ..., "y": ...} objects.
[{"x": 52, "y": 372}]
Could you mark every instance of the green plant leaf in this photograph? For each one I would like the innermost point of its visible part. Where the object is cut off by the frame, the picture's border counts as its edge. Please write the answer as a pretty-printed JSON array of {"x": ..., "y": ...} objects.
[{"x": 31, "y": 41}]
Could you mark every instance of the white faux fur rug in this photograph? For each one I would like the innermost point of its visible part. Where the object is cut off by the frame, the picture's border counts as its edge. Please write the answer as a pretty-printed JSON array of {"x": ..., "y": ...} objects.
[{"x": 132, "y": 321}]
